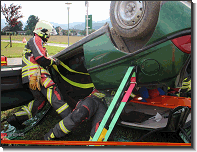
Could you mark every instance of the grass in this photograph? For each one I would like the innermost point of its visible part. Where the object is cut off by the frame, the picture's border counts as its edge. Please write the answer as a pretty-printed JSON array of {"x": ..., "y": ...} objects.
[
  {"x": 81, "y": 133},
  {"x": 53, "y": 39},
  {"x": 17, "y": 49}
]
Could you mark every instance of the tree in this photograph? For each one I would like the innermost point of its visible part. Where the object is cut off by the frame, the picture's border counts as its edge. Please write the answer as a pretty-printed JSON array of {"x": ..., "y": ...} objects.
[
  {"x": 59, "y": 30},
  {"x": 18, "y": 27},
  {"x": 65, "y": 32},
  {"x": 83, "y": 32},
  {"x": 73, "y": 31},
  {"x": 91, "y": 31},
  {"x": 28, "y": 32},
  {"x": 12, "y": 14},
  {"x": 31, "y": 23}
]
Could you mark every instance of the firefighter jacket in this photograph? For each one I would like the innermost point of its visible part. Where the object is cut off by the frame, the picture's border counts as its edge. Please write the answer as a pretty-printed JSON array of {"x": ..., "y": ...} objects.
[
  {"x": 185, "y": 90},
  {"x": 34, "y": 58}
]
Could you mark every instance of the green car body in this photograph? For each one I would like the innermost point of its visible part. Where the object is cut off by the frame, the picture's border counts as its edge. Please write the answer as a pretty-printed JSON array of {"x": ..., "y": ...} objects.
[{"x": 157, "y": 64}]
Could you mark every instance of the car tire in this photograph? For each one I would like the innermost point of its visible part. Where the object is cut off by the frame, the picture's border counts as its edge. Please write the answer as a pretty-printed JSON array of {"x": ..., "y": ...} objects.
[{"x": 134, "y": 19}]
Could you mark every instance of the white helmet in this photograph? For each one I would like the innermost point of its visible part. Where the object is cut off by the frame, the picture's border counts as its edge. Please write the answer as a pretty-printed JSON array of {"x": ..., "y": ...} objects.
[{"x": 44, "y": 28}]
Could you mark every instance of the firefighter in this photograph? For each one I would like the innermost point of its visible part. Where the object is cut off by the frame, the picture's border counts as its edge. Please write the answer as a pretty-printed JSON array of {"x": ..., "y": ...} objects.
[
  {"x": 35, "y": 72},
  {"x": 92, "y": 108},
  {"x": 185, "y": 90}
]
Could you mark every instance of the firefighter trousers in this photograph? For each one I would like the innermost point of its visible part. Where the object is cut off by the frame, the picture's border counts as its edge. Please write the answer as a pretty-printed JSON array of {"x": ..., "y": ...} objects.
[
  {"x": 52, "y": 94},
  {"x": 91, "y": 107}
]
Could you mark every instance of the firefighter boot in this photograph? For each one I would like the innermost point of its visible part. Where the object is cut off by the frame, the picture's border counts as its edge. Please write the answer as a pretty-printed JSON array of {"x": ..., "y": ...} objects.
[
  {"x": 50, "y": 135},
  {"x": 13, "y": 121}
]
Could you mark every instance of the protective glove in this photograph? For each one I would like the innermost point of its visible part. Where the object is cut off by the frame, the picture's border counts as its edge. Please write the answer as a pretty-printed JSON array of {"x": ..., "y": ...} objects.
[
  {"x": 32, "y": 82},
  {"x": 39, "y": 79},
  {"x": 56, "y": 61}
]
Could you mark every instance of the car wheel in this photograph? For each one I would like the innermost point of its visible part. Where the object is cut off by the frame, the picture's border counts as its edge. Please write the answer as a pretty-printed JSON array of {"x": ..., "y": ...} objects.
[{"x": 134, "y": 19}]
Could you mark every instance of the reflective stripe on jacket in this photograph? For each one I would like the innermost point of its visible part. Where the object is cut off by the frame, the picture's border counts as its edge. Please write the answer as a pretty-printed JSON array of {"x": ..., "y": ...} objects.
[{"x": 33, "y": 51}]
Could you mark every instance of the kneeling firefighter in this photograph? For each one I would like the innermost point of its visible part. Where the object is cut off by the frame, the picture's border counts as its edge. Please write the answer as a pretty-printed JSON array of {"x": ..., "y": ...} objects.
[
  {"x": 91, "y": 108},
  {"x": 34, "y": 71}
]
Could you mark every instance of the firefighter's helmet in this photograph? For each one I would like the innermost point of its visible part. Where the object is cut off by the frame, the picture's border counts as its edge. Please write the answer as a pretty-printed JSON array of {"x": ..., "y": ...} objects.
[{"x": 44, "y": 29}]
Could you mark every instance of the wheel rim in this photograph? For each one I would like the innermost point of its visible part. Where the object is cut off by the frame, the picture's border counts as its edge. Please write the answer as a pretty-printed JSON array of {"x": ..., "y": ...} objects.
[{"x": 128, "y": 14}]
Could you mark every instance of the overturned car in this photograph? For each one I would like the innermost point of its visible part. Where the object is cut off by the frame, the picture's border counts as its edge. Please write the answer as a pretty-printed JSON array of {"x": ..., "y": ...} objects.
[{"x": 149, "y": 41}]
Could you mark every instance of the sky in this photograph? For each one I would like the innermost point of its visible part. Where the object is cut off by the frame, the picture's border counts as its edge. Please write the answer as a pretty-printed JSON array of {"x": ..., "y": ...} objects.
[{"x": 56, "y": 11}]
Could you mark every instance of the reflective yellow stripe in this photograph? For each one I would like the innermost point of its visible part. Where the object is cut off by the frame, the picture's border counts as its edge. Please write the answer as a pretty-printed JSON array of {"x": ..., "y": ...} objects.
[
  {"x": 52, "y": 135},
  {"x": 30, "y": 105},
  {"x": 113, "y": 93},
  {"x": 63, "y": 128},
  {"x": 186, "y": 83},
  {"x": 49, "y": 94},
  {"x": 44, "y": 71},
  {"x": 51, "y": 62},
  {"x": 21, "y": 113},
  {"x": 26, "y": 61},
  {"x": 28, "y": 112},
  {"x": 132, "y": 95},
  {"x": 26, "y": 51},
  {"x": 184, "y": 87},
  {"x": 46, "y": 82},
  {"x": 80, "y": 85},
  {"x": 27, "y": 67},
  {"x": 28, "y": 73},
  {"x": 99, "y": 95},
  {"x": 71, "y": 70},
  {"x": 62, "y": 108},
  {"x": 3, "y": 62},
  {"x": 30, "y": 66}
]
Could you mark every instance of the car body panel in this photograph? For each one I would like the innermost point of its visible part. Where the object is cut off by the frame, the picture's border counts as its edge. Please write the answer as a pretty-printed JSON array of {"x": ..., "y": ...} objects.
[
  {"x": 174, "y": 16},
  {"x": 161, "y": 63}
]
